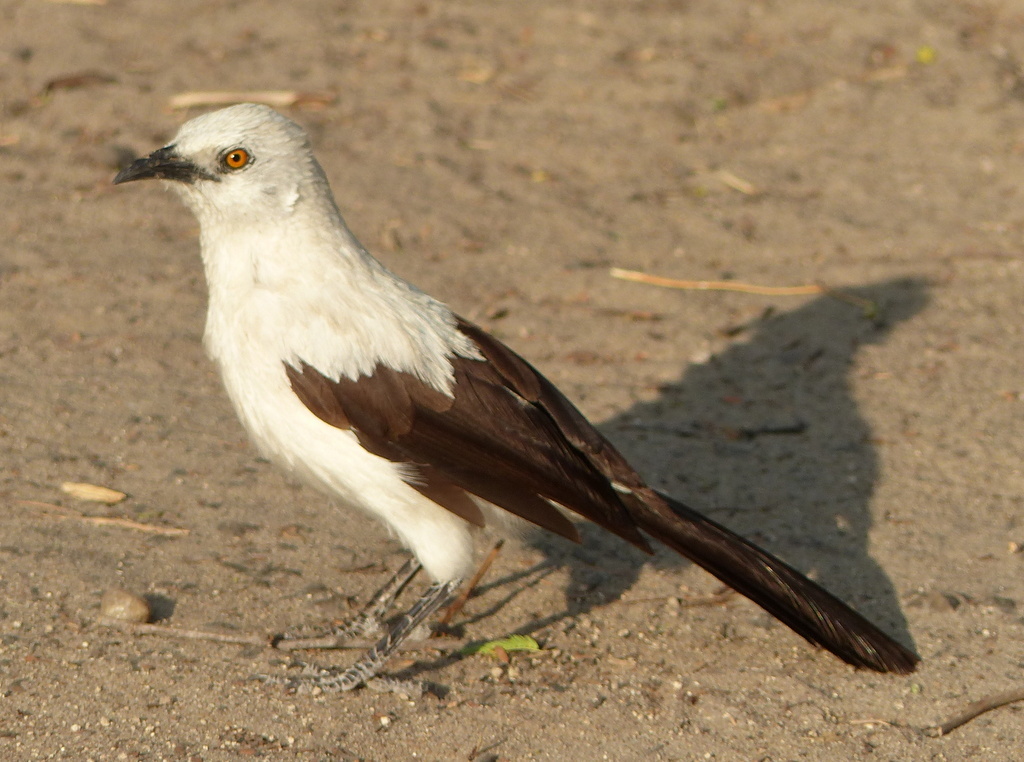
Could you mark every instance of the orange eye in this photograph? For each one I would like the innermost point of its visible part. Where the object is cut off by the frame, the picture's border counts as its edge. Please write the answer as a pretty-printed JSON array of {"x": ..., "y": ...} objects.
[{"x": 236, "y": 158}]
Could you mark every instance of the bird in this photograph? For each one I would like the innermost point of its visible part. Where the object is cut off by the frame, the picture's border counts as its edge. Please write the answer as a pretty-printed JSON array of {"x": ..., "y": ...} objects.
[{"x": 358, "y": 383}]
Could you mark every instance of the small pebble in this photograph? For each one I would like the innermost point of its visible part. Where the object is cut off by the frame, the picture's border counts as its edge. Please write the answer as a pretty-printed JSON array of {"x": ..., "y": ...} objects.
[{"x": 125, "y": 606}]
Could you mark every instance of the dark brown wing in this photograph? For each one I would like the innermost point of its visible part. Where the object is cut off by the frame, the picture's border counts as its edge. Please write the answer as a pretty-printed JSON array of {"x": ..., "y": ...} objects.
[
  {"x": 486, "y": 439},
  {"x": 510, "y": 437}
]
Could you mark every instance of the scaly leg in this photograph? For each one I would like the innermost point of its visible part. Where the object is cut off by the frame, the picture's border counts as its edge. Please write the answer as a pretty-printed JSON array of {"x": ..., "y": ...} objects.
[
  {"x": 369, "y": 621},
  {"x": 367, "y": 668}
]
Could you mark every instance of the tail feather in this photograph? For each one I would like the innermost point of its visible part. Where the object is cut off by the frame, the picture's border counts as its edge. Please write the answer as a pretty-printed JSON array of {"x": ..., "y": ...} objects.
[{"x": 807, "y": 608}]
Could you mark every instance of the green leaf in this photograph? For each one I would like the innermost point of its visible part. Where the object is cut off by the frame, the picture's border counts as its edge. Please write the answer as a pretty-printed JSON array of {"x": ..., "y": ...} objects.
[{"x": 511, "y": 643}]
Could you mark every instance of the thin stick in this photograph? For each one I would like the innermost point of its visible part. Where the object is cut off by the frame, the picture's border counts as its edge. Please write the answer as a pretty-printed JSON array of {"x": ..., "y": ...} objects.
[
  {"x": 458, "y": 603},
  {"x": 873, "y": 722},
  {"x": 745, "y": 187},
  {"x": 870, "y": 308},
  {"x": 62, "y": 514},
  {"x": 275, "y": 98},
  {"x": 977, "y": 709},
  {"x": 715, "y": 599},
  {"x": 128, "y": 524},
  {"x": 136, "y": 628},
  {"x": 715, "y": 285}
]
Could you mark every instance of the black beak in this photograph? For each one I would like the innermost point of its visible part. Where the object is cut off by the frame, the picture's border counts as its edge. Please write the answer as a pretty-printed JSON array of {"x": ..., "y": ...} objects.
[{"x": 162, "y": 164}]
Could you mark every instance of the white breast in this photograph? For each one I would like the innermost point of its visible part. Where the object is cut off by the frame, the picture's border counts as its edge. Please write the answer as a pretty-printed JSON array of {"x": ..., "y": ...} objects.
[{"x": 253, "y": 328}]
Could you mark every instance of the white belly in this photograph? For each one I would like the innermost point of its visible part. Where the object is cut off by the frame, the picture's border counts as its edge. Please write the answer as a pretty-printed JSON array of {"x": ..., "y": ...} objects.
[{"x": 333, "y": 461}]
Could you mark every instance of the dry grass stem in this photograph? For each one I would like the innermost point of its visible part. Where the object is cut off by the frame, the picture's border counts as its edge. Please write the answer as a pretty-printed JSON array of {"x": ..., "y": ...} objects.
[
  {"x": 262, "y": 641},
  {"x": 730, "y": 180},
  {"x": 63, "y": 514},
  {"x": 869, "y": 307},
  {"x": 977, "y": 709},
  {"x": 174, "y": 632},
  {"x": 273, "y": 98},
  {"x": 715, "y": 285},
  {"x": 458, "y": 603}
]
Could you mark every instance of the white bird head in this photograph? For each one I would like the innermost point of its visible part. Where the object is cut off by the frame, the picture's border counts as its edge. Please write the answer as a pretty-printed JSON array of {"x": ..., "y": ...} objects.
[{"x": 245, "y": 161}]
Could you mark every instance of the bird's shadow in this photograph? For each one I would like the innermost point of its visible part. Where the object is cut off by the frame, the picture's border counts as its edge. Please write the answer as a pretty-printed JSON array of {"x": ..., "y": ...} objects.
[{"x": 766, "y": 438}]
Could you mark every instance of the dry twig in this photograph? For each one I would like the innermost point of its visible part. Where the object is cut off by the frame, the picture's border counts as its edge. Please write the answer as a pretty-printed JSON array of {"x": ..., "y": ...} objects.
[
  {"x": 977, "y": 709},
  {"x": 715, "y": 285},
  {"x": 869, "y": 307},
  {"x": 874, "y": 721},
  {"x": 738, "y": 184},
  {"x": 254, "y": 640},
  {"x": 274, "y": 98},
  {"x": 62, "y": 514},
  {"x": 715, "y": 599},
  {"x": 137, "y": 628},
  {"x": 459, "y": 602},
  {"x": 78, "y": 80}
]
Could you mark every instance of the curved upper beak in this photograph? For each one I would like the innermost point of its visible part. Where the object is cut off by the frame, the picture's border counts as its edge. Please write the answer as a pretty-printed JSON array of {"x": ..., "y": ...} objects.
[{"x": 162, "y": 164}]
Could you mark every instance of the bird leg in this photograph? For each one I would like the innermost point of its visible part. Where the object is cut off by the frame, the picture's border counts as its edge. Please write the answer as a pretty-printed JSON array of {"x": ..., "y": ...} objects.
[
  {"x": 434, "y": 598},
  {"x": 366, "y": 669},
  {"x": 369, "y": 621}
]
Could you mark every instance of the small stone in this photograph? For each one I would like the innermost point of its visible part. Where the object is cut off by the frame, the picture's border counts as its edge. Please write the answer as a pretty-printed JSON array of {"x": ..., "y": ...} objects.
[{"x": 125, "y": 606}]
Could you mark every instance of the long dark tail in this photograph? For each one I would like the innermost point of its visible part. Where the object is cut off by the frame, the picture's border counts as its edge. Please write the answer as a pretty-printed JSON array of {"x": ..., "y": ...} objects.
[{"x": 809, "y": 609}]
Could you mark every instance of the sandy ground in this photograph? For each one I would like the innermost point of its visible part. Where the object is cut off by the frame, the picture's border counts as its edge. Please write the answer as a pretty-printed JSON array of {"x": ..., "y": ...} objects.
[{"x": 504, "y": 157}]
